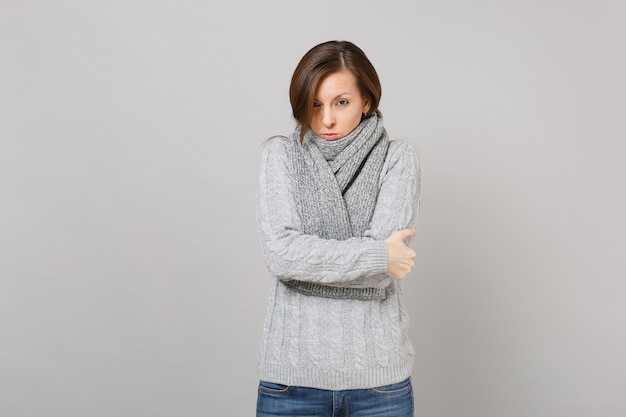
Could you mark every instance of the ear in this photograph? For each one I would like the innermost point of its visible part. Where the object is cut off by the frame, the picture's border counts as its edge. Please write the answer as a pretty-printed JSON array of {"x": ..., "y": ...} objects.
[{"x": 366, "y": 105}]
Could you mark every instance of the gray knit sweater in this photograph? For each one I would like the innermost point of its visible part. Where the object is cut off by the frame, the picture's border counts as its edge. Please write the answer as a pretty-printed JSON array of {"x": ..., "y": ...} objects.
[{"x": 325, "y": 343}]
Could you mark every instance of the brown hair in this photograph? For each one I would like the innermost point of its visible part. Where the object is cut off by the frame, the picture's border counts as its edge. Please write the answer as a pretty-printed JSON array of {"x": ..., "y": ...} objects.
[{"x": 322, "y": 60}]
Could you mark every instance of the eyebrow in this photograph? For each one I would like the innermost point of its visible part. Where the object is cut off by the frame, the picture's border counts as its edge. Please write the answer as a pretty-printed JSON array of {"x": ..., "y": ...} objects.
[{"x": 336, "y": 97}]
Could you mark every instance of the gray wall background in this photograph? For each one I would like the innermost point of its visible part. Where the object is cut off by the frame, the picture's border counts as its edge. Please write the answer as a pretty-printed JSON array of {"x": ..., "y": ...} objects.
[{"x": 131, "y": 282}]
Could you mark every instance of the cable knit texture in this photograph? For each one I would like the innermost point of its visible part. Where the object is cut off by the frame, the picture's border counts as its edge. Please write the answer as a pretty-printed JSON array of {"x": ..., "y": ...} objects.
[{"x": 332, "y": 343}]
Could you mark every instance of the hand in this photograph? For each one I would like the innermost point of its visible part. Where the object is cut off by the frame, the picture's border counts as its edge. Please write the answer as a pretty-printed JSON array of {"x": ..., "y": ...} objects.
[{"x": 399, "y": 256}]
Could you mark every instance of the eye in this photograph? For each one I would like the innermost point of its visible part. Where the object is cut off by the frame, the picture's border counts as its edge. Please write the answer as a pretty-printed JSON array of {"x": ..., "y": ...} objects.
[
  {"x": 315, "y": 104},
  {"x": 342, "y": 102}
]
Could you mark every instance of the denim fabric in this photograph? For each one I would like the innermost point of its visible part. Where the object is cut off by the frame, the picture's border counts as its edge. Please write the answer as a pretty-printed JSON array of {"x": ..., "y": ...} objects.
[{"x": 395, "y": 400}]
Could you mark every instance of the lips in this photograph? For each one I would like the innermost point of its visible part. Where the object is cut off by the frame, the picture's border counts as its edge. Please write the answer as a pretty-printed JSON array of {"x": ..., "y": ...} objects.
[{"x": 330, "y": 136}]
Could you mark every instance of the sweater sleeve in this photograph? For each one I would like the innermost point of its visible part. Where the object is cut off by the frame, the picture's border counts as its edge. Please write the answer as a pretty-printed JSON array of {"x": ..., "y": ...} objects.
[
  {"x": 292, "y": 254},
  {"x": 397, "y": 204}
]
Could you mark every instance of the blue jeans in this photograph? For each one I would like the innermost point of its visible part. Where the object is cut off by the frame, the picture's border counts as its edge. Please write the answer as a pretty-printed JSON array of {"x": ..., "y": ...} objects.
[{"x": 395, "y": 400}]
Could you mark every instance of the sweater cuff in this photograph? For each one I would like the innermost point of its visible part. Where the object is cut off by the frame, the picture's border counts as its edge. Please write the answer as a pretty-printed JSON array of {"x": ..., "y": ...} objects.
[{"x": 376, "y": 260}]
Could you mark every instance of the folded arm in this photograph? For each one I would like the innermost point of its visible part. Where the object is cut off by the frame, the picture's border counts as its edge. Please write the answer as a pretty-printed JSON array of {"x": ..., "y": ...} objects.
[{"x": 292, "y": 254}]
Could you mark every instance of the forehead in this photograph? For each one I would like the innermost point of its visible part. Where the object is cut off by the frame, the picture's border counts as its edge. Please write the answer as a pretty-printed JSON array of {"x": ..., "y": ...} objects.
[{"x": 336, "y": 83}]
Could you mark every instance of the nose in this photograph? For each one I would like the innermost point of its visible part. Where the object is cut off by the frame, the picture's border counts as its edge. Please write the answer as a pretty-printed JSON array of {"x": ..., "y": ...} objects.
[{"x": 328, "y": 118}]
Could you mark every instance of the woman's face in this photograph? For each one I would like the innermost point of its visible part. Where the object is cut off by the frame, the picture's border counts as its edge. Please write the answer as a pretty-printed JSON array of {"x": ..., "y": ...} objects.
[{"x": 337, "y": 106}]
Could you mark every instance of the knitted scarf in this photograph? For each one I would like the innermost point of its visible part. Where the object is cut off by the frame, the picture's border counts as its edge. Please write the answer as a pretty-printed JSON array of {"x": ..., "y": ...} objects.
[{"x": 336, "y": 187}]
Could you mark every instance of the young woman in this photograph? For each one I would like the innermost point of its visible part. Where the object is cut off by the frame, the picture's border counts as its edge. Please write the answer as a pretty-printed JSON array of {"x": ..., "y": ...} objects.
[{"x": 336, "y": 202}]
